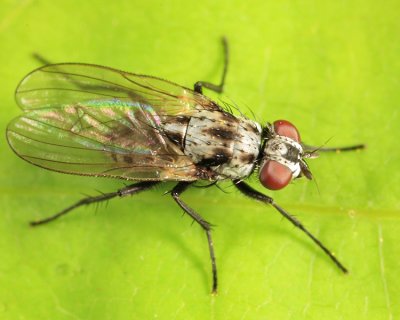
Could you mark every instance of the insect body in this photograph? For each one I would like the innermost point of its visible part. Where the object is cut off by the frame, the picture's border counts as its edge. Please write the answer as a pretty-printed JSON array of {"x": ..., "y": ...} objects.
[
  {"x": 92, "y": 120},
  {"x": 224, "y": 145}
]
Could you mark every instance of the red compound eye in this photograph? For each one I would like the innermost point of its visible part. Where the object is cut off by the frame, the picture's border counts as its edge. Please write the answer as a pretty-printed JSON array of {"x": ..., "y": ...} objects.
[
  {"x": 275, "y": 176},
  {"x": 286, "y": 129}
]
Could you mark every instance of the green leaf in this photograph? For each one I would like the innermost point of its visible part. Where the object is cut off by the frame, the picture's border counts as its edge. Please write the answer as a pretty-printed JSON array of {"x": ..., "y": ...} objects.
[{"x": 331, "y": 68}]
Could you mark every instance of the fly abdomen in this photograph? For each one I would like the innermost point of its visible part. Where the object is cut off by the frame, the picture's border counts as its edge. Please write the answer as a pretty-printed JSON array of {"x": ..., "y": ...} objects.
[{"x": 175, "y": 129}]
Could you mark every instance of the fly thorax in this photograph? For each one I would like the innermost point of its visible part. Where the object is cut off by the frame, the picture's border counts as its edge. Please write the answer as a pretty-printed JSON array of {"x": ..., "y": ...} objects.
[
  {"x": 285, "y": 151},
  {"x": 245, "y": 150},
  {"x": 175, "y": 129},
  {"x": 227, "y": 145}
]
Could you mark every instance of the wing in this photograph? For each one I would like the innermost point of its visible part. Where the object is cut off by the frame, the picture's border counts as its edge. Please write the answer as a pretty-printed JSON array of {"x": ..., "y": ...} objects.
[
  {"x": 92, "y": 120},
  {"x": 70, "y": 83}
]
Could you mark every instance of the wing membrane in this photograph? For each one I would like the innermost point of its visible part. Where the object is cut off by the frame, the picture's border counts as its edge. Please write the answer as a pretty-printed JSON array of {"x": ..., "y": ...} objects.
[
  {"x": 91, "y": 120},
  {"x": 70, "y": 83}
]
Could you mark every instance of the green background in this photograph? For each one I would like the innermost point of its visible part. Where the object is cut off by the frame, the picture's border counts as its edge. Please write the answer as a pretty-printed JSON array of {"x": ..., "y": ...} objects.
[{"x": 331, "y": 67}]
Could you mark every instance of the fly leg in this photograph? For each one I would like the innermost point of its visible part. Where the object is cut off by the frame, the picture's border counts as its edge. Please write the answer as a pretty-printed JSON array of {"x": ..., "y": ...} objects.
[
  {"x": 176, "y": 192},
  {"x": 42, "y": 60},
  {"x": 128, "y": 190},
  {"x": 198, "y": 86},
  {"x": 312, "y": 149},
  {"x": 250, "y": 192}
]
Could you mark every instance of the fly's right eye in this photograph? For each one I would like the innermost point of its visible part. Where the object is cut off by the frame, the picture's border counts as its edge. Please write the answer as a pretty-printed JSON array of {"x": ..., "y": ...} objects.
[{"x": 274, "y": 175}]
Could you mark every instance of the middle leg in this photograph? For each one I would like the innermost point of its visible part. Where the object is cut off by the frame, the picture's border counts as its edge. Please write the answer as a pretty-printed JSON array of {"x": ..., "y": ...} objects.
[
  {"x": 176, "y": 192},
  {"x": 219, "y": 88}
]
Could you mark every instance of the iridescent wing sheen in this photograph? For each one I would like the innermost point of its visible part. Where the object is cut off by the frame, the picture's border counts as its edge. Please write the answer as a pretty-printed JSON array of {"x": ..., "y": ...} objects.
[{"x": 92, "y": 120}]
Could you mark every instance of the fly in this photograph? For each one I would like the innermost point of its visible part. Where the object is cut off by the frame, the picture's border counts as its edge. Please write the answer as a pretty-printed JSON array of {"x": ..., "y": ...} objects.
[{"x": 97, "y": 121}]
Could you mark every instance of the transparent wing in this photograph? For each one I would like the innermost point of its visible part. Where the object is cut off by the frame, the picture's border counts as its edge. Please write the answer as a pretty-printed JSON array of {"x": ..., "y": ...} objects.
[
  {"x": 91, "y": 120},
  {"x": 121, "y": 142},
  {"x": 71, "y": 83}
]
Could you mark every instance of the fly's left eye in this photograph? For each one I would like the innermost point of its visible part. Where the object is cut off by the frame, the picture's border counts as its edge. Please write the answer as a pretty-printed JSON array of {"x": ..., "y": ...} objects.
[
  {"x": 286, "y": 129},
  {"x": 274, "y": 175}
]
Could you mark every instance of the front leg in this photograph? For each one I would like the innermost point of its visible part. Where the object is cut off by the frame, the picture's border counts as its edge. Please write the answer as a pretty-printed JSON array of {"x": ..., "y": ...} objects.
[
  {"x": 254, "y": 194},
  {"x": 313, "y": 149}
]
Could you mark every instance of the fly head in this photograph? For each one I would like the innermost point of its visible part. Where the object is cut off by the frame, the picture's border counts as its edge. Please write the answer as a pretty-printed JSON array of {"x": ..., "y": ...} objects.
[{"x": 283, "y": 156}]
